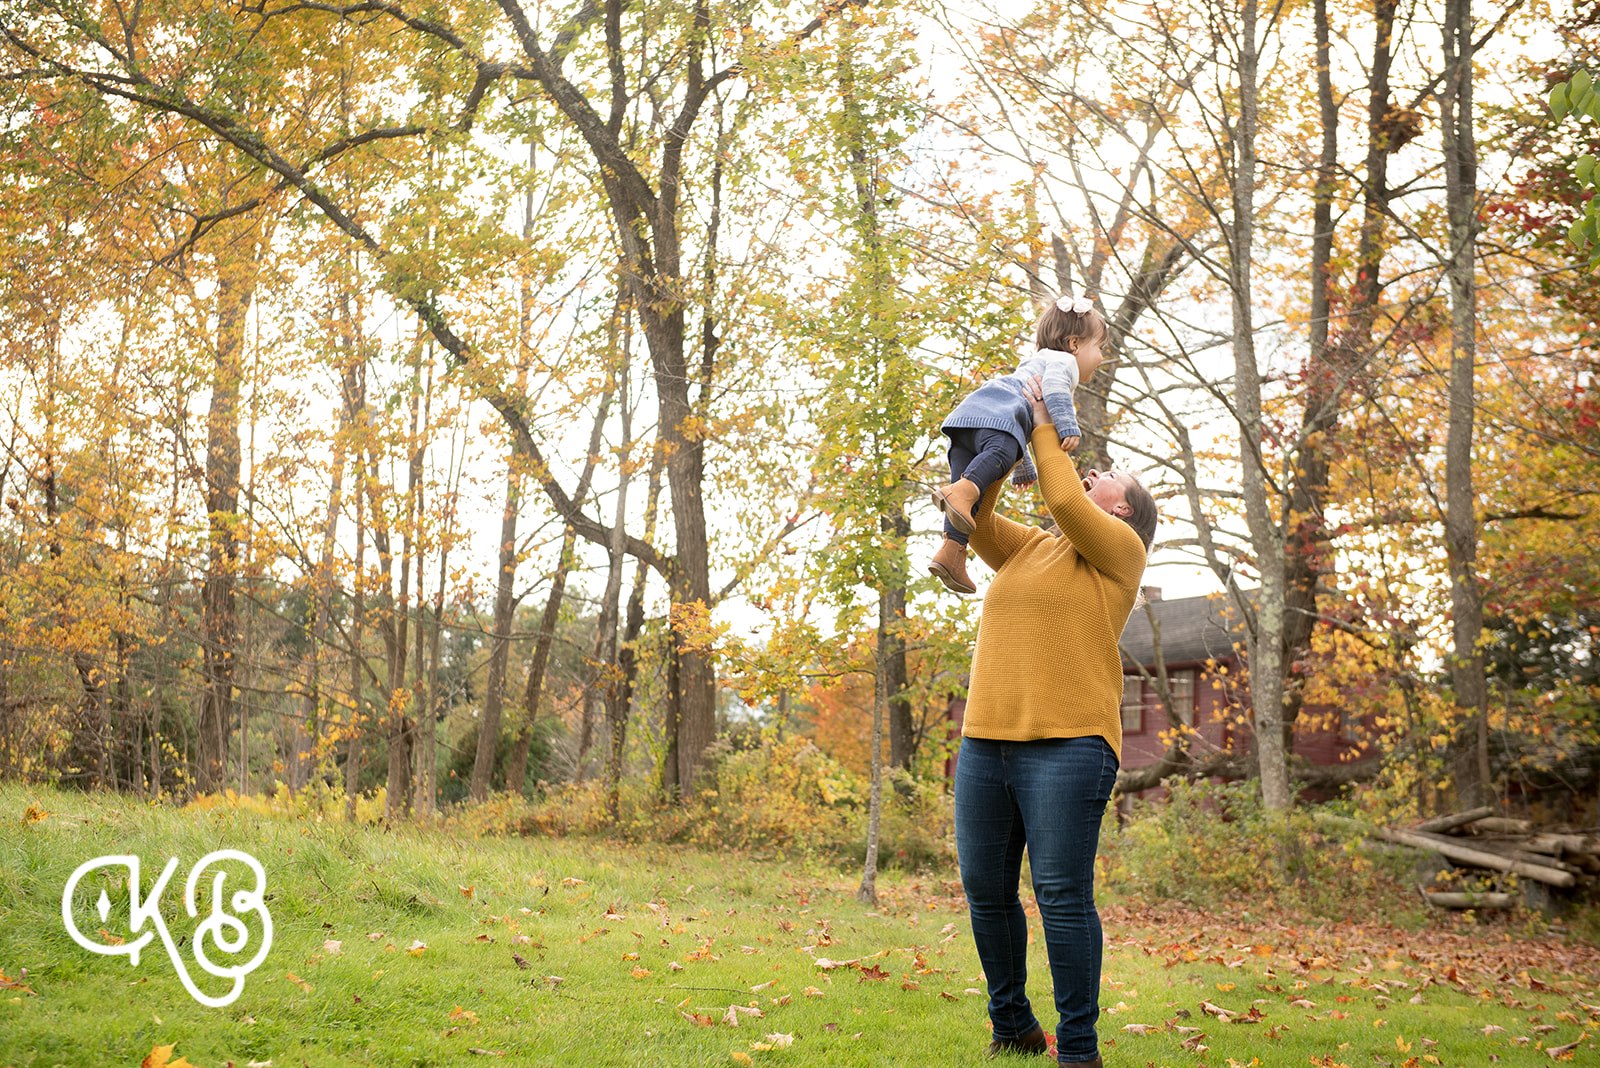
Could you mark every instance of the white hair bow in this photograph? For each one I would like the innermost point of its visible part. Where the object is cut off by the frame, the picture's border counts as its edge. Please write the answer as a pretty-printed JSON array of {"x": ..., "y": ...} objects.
[{"x": 1076, "y": 305}]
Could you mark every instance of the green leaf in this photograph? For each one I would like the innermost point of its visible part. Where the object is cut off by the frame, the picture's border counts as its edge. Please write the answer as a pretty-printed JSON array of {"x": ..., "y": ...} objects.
[
  {"x": 1580, "y": 83},
  {"x": 1558, "y": 101},
  {"x": 1575, "y": 234},
  {"x": 1584, "y": 168}
]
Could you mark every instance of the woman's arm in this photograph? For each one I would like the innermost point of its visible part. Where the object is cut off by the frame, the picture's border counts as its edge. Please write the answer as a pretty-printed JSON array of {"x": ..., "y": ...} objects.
[
  {"x": 995, "y": 537},
  {"x": 1100, "y": 537}
]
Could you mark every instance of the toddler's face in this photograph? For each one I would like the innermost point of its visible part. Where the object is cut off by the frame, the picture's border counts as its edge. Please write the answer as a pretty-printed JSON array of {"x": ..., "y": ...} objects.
[{"x": 1090, "y": 357}]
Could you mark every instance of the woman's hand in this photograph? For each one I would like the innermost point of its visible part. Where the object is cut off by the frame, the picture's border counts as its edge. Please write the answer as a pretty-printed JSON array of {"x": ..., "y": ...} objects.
[{"x": 1041, "y": 415}]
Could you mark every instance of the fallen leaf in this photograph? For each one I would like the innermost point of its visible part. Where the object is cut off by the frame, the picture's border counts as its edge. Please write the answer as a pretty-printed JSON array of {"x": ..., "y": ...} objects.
[
  {"x": 333, "y": 947},
  {"x": 485, "y": 1052},
  {"x": 741, "y": 1057},
  {"x": 466, "y": 891},
  {"x": 464, "y": 1015},
  {"x": 521, "y": 961},
  {"x": 7, "y": 983},
  {"x": 417, "y": 948},
  {"x": 1564, "y": 1053},
  {"x": 161, "y": 1057},
  {"x": 1138, "y": 1029},
  {"x": 297, "y": 981}
]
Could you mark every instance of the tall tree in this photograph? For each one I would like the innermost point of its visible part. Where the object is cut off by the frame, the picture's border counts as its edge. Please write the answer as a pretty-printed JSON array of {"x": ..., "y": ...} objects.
[{"x": 1461, "y": 520}]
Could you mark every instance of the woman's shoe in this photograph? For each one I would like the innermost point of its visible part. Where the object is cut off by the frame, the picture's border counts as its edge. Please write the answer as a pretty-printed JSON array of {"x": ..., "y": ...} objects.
[
  {"x": 949, "y": 565},
  {"x": 1029, "y": 1044},
  {"x": 959, "y": 502}
]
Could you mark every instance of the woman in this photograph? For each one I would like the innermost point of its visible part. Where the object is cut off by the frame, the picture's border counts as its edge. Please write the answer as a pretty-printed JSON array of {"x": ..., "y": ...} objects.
[{"x": 1043, "y": 734}]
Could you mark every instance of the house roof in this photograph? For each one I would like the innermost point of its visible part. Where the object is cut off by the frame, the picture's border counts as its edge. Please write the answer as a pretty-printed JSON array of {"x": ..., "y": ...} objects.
[{"x": 1191, "y": 628}]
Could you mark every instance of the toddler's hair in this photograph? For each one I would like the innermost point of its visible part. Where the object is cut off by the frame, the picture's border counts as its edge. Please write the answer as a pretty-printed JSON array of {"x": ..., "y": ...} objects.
[{"x": 1056, "y": 328}]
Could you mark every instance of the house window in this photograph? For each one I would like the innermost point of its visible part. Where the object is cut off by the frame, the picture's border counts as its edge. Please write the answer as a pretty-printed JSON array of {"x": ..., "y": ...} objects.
[
  {"x": 1132, "y": 704},
  {"x": 1180, "y": 684}
]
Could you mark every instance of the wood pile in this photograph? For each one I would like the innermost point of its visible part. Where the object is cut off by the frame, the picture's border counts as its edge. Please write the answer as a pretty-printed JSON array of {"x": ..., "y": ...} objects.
[{"x": 1566, "y": 859}]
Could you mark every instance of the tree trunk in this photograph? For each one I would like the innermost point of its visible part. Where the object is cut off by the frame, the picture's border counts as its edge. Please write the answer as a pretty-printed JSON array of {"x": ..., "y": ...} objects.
[
  {"x": 868, "y": 891},
  {"x": 424, "y": 740},
  {"x": 1461, "y": 522},
  {"x": 517, "y": 772},
  {"x": 426, "y": 786},
  {"x": 1334, "y": 361},
  {"x": 311, "y": 726},
  {"x": 500, "y": 638},
  {"x": 1266, "y": 634},
  {"x": 218, "y": 619},
  {"x": 358, "y": 612},
  {"x": 902, "y": 733},
  {"x": 628, "y": 653}
]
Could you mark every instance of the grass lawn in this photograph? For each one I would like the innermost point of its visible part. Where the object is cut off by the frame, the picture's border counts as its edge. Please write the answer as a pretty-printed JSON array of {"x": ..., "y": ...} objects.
[{"x": 668, "y": 957}]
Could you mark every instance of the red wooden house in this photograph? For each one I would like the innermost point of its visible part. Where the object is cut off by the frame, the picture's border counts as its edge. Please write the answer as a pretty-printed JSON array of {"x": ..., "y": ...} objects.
[{"x": 1201, "y": 643}]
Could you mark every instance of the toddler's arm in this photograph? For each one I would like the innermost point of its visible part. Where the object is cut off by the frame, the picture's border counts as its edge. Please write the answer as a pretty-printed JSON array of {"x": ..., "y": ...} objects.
[{"x": 1060, "y": 379}]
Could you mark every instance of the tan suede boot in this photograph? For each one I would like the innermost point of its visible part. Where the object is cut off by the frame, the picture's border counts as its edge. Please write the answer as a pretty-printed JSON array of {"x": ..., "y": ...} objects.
[
  {"x": 959, "y": 502},
  {"x": 949, "y": 565}
]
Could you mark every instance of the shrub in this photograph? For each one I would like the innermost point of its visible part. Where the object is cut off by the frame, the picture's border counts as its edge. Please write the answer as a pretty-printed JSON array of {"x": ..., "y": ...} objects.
[
  {"x": 779, "y": 796},
  {"x": 1214, "y": 845}
]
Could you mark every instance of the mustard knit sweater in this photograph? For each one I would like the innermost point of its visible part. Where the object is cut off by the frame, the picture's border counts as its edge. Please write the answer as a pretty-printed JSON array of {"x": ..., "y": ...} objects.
[{"x": 1047, "y": 664}]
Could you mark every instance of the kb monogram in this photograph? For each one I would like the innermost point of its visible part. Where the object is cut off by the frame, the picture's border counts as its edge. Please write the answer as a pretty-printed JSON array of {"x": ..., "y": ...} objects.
[{"x": 226, "y": 931}]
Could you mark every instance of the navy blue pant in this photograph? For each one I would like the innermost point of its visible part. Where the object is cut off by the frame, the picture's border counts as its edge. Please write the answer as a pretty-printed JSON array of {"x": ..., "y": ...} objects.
[
  {"x": 1046, "y": 796},
  {"x": 979, "y": 455}
]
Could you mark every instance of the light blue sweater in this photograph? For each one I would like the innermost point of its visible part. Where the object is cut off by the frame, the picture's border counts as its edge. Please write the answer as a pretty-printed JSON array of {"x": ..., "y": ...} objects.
[{"x": 1002, "y": 404}]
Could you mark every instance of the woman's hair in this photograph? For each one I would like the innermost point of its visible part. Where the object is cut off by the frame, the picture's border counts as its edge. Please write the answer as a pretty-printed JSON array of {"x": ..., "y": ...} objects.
[
  {"x": 1143, "y": 519},
  {"x": 1056, "y": 328}
]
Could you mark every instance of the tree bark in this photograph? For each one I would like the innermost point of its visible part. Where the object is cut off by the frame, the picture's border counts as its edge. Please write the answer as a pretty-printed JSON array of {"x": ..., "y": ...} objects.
[
  {"x": 1335, "y": 359},
  {"x": 499, "y": 638},
  {"x": 1266, "y": 633},
  {"x": 628, "y": 652},
  {"x": 235, "y": 289},
  {"x": 902, "y": 731},
  {"x": 358, "y": 604},
  {"x": 517, "y": 766},
  {"x": 1440, "y": 824},
  {"x": 1461, "y": 522},
  {"x": 1452, "y": 849},
  {"x": 867, "y": 893}
]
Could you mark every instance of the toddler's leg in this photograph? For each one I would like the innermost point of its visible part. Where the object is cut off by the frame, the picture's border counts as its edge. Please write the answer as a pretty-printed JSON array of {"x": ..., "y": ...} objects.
[
  {"x": 984, "y": 457},
  {"x": 949, "y": 563}
]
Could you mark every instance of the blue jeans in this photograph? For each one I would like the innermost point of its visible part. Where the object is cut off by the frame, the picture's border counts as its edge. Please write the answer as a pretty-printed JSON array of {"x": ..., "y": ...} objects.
[
  {"x": 982, "y": 456},
  {"x": 1048, "y": 796}
]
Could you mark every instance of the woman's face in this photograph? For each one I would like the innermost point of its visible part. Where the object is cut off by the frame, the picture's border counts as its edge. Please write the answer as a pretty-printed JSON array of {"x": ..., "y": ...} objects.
[{"x": 1109, "y": 490}]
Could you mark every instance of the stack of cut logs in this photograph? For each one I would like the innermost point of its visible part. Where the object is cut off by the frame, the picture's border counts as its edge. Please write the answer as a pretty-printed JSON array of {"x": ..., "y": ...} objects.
[{"x": 1480, "y": 839}]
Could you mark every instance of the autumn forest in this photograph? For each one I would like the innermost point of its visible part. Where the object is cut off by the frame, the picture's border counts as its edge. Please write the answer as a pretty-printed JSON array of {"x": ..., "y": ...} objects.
[{"x": 412, "y": 403}]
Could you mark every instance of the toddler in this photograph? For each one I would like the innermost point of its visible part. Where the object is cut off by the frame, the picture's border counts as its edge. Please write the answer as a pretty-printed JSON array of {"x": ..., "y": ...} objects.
[{"x": 989, "y": 429}]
